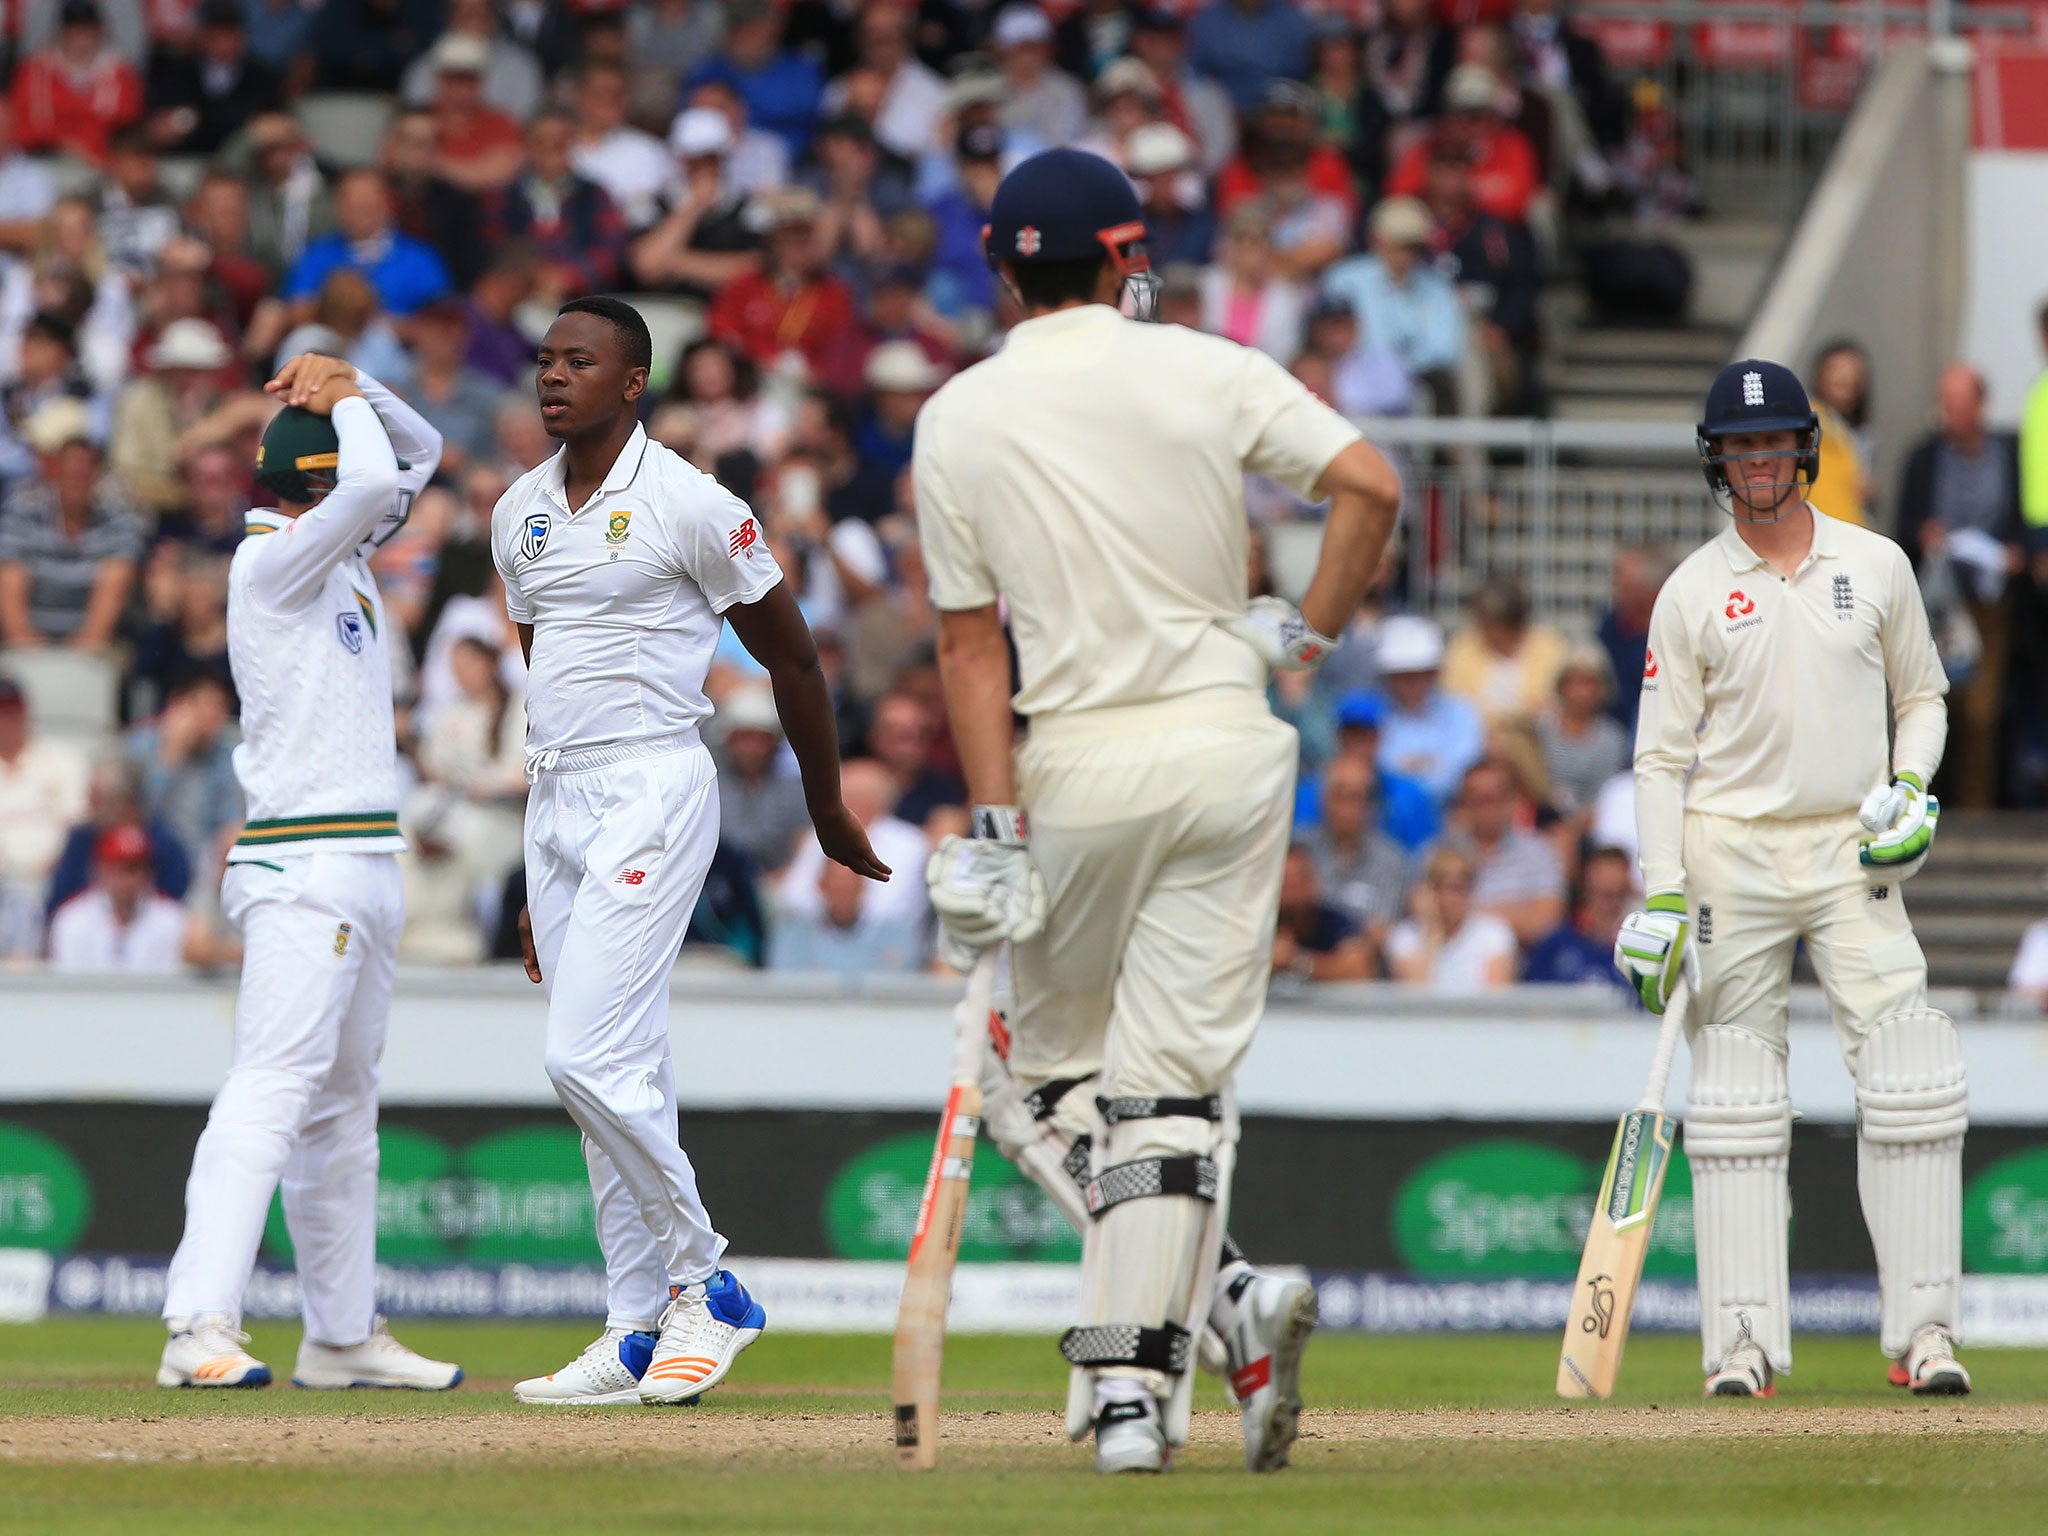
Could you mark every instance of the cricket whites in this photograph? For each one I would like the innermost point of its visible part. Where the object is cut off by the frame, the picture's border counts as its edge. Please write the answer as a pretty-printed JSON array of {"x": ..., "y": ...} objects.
[
  {"x": 935, "y": 1244},
  {"x": 1596, "y": 1329}
]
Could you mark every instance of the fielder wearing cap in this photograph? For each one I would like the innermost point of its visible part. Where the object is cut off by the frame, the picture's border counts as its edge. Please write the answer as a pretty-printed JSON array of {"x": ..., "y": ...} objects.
[
  {"x": 1087, "y": 482},
  {"x": 1792, "y": 716},
  {"x": 313, "y": 884}
]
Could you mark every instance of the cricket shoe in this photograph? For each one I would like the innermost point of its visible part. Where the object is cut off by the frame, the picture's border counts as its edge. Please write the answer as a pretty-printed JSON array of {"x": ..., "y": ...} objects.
[
  {"x": 703, "y": 1330},
  {"x": 1129, "y": 1436},
  {"x": 379, "y": 1361},
  {"x": 207, "y": 1351},
  {"x": 605, "y": 1374},
  {"x": 1744, "y": 1372},
  {"x": 1264, "y": 1345},
  {"x": 1930, "y": 1366}
]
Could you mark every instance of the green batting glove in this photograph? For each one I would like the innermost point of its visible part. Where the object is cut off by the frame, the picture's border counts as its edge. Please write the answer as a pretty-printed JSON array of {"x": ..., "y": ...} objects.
[
  {"x": 1652, "y": 950},
  {"x": 1902, "y": 818}
]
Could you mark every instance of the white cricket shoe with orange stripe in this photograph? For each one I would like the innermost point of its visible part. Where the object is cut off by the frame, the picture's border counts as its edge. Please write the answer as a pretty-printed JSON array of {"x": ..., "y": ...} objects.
[
  {"x": 703, "y": 1330},
  {"x": 207, "y": 1351},
  {"x": 1264, "y": 1345}
]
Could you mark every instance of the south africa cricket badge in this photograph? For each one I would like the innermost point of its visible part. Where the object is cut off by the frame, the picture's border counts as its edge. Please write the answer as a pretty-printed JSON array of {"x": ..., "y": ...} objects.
[
  {"x": 617, "y": 526},
  {"x": 341, "y": 939}
]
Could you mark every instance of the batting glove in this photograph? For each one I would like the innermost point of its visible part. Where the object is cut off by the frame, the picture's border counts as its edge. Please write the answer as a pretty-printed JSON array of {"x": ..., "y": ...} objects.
[
  {"x": 1652, "y": 951},
  {"x": 1285, "y": 641},
  {"x": 1901, "y": 818},
  {"x": 985, "y": 888}
]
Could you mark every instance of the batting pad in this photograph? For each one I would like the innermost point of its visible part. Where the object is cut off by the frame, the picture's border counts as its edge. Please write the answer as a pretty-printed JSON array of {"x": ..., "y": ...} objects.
[
  {"x": 1912, "y": 1110},
  {"x": 1738, "y": 1133}
]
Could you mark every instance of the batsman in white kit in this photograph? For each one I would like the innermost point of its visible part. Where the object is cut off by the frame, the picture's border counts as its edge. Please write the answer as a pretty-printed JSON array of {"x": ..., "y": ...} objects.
[
  {"x": 622, "y": 563},
  {"x": 313, "y": 884},
  {"x": 1086, "y": 484},
  {"x": 1792, "y": 717}
]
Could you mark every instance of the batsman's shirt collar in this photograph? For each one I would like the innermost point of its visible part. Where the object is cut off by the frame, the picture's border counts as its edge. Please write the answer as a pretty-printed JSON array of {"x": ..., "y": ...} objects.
[
  {"x": 625, "y": 469},
  {"x": 1742, "y": 559},
  {"x": 1062, "y": 324}
]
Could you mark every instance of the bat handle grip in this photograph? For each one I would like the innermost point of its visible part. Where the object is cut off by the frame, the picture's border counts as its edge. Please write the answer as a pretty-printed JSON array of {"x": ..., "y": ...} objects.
[
  {"x": 1675, "y": 1010},
  {"x": 970, "y": 1016}
]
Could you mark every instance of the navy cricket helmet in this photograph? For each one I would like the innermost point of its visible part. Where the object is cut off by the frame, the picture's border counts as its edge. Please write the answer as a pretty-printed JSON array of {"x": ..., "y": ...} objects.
[
  {"x": 1069, "y": 205},
  {"x": 1756, "y": 396}
]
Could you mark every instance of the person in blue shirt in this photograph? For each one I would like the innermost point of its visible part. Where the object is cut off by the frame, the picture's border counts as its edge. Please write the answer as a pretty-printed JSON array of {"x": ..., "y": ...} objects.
[
  {"x": 1581, "y": 949},
  {"x": 406, "y": 273},
  {"x": 1427, "y": 735},
  {"x": 1406, "y": 812},
  {"x": 782, "y": 90},
  {"x": 1403, "y": 303},
  {"x": 1248, "y": 44}
]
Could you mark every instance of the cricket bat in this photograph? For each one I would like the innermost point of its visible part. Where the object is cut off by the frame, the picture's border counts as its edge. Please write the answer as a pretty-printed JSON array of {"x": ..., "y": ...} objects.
[
  {"x": 1596, "y": 1331},
  {"x": 935, "y": 1244}
]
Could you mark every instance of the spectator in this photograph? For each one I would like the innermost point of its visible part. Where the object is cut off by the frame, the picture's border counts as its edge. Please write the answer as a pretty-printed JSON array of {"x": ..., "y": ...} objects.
[
  {"x": 1245, "y": 298},
  {"x": 2029, "y": 974},
  {"x": 847, "y": 932},
  {"x": 281, "y": 35},
  {"x": 962, "y": 213},
  {"x": 200, "y": 100},
  {"x": 896, "y": 311},
  {"x": 211, "y": 516},
  {"x": 364, "y": 45},
  {"x": 1505, "y": 175},
  {"x": 571, "y": 223},
  {"x": 1283, "y": 162},
  {"x": 1248, "y": 44},
  {"x": 122, "y": 923},
  {"x": 722, "y": 390},
  {"x": 1624, "y": 630},
  {"x": 186, "y": 595},
  {"x": 403, "y": 272},
  {"x": 69, "y": 541},
  {"x": 1429, "y": 736},
  {"x": 780, "y": 89},
  {"x": 1504, "y": 663},
  {"x": 1315, "y": 940},
  {"x": 1178, "y": 225},
  {"x": 869, "y": 790},
  {"x": 182, "y": 385},
  {"x": 187, "y": 754},
  {"x": 1093, "y": 36},
  {"x": 452, "y": 851},
  {"x": 41, "y": 793},
  {"x": 1362, "y": 869},
  {"x": 760, "y": 802},
  {"x": 758, "y": 161},
  {"x": 911, "y": 94},
  {"x": 113, "y": 798},
  {"x": 1494, "y": 264},
  {"x": 1559, "y": 56},
  {"x": 68, "y": 274},
  {"x": 1959, "y": 504},
  {"x": 480, "y": 146},
  {"x": 510, "y": 79},
  {"x": 460, "y": 402},
  {"x": 901, "y": 736},
  {"x": 290, "y": 205},
  {"x": 669, "y": 39},
  {"x": 27, "y": 189},
  {"x": 346, "y": 321},
  {"x": 1366, "y": 377},
  {"x": 838, "y": 566},
  {"x": 1407, "y": 61},
  {"x": 1039, "y": 98},
  {"x": 1841, "y": 380},
  {"x": 427, "y": 206},
  {"x": 476, "y": 744},
  {"x": 900, "y": 377},
  {"x": 2034, "y": 449},
  {"x": 634, "y": 167},
  {"x": 1189, "y": 100},
  {"x": 861, "y": 188},
  {"x": 218, "y": 215},
  {"x": 1582, "y": 951},
  {"x": 1406, "y": 811},
  {"x": 137, "y": 217},
  {"x": 498, "y": 349},
  {"x": 1520, "y": 881},
  {"x": 47, "y": 370},
  {"x": 705, "y": 237},
  {"x": 1449, "y": 945},
  {"x": 1126, "y": 98},
  {"x": 71, "y": 95},
  {"x": 1582, "y": 745},
  {"x": 1402, "y": 302},
  {"x": 788, "y": 315}
]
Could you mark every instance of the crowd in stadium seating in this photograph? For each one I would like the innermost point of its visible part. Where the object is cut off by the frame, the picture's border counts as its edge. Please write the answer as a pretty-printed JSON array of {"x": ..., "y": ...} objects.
[{"x": 189, "y": 194}]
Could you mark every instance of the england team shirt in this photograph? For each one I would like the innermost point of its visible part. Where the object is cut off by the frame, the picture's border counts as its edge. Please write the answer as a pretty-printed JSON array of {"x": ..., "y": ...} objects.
[
  {"x": 624, "y": 593},
  {"x": 1776, "y": 687},
  {"x": 1092, "y": 474}
]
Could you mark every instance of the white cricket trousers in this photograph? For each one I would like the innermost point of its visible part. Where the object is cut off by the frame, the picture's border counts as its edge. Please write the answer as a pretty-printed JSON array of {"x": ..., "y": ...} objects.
[
  {"x": 618, "y": 842},
  {"x": 299, "y": 1107}
]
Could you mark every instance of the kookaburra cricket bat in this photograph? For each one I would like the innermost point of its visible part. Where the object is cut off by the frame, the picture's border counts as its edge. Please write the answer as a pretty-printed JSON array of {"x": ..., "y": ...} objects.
[
  {"x": 935, "y": 1244},
  {"x": 1596, "y": 1330}
]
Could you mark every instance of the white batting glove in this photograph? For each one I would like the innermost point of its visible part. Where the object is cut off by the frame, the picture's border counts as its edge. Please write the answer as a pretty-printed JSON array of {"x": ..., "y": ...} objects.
[
  {"x": 985, "y": 888},
  {"x": 1901, "y": 818},
  {"x": 1654, "y": 949},
  {"x": 1285, "y": 641}
]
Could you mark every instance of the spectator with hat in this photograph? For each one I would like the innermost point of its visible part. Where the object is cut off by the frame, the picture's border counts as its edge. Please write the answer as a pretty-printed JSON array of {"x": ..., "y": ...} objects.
[
  {"x": 760, "y": 799},
  {"x": 1039, "y": 98},
  {"x": 706, "y": 235},
  {"x": 122, "y": 923},
  {"x": 69, "y": 540},
  {"x": 42, "y": 791},
  {"x": 899, "y": 377},
  {"x": 113, "y": 797},
  {"x": 1505, "y": 174},
  {"x": 1160, "y": 160},
  {"x": 962, "y": 214},
  {"x": 183, "y": 383},
  {"x": 1428, "y": 735},
  {"x": 480, "y": 146},
  {"x": 1248, "y": 44},
  {"x": 1405, "y": 810},
  {"x": 1402, "y": 302},
  {"x": 200, "y": 100},
  {"x": 1126, "y": 99},
  {"x": 758, "y": 160},
  {"x": 780, "y": 88},
  {"x": 791, "y": 311},
  {"x": 72, "y": 95},
  {"x": 510, "y": 77}
]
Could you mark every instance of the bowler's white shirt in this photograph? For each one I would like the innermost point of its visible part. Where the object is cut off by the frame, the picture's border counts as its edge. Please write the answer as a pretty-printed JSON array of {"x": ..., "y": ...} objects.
[
  {"x": 1776, "y": 686},
  {"x": 624, "y": 593},
  {"x": 85, "y": 935}
]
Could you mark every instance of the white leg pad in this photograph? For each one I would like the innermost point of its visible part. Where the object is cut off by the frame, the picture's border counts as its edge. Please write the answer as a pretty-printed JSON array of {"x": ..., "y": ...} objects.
[
  {"x": 1912, "y": 1110},
  {"x": 1738, "y": 1134}
]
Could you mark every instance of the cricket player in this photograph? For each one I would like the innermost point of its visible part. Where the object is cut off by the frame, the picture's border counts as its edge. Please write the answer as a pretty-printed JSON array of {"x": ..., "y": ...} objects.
[
  {"x": 1088, "y": 481},
  {"x": 621, "y": 564},
  {"x": 313, "y": 884},
  {"x": 1792, "y": 717}
]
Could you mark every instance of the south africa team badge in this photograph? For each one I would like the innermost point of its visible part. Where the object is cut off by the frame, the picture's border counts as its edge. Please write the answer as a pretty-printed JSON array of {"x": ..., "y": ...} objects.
[
  {"x": 535, "y": 538},
  {"x": 618, "y": 525},
  {"x": 341, "y": 939}
]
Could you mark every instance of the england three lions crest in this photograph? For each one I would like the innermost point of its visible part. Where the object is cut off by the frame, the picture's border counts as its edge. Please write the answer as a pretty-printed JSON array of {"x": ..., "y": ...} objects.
[{"x": 534, "y": 538}]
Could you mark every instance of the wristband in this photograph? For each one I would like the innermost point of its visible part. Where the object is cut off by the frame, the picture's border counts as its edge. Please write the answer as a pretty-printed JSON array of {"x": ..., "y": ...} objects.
[{"x": 997, "y": 824}]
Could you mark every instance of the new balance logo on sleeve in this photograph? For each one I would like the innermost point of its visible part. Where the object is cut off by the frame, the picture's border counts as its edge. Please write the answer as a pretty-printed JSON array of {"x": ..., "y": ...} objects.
[
  {"x": 743, "y": 538},
  {"x": 631, "y": 877}
]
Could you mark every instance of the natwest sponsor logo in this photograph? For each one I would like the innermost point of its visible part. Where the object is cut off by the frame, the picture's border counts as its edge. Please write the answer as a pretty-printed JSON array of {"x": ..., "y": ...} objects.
[
  {"x": 1649, "y": 664},
  {"x": 1740, "y": 606}
]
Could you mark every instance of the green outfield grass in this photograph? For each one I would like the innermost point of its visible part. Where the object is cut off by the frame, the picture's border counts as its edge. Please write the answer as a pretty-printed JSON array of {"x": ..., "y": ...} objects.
[{"x": 799, "y": 1444}]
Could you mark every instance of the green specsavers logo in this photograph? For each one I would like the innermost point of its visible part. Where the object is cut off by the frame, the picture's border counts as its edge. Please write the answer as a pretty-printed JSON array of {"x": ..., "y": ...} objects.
[
  {"x": 871, "y": 1207},
  {"x": 2005, "y": 1216},
  {"x": 45, "y": 1198}
]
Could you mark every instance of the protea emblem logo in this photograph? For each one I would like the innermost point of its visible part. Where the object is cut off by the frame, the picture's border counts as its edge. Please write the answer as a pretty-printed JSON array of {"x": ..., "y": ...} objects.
[{"x": 1029, "y": 241}]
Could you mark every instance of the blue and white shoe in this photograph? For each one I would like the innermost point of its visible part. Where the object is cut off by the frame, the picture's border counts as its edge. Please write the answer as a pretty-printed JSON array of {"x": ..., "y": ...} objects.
[
  {"x": 702, "y": 1332},
  {"x": 605, "y": 1374}
]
